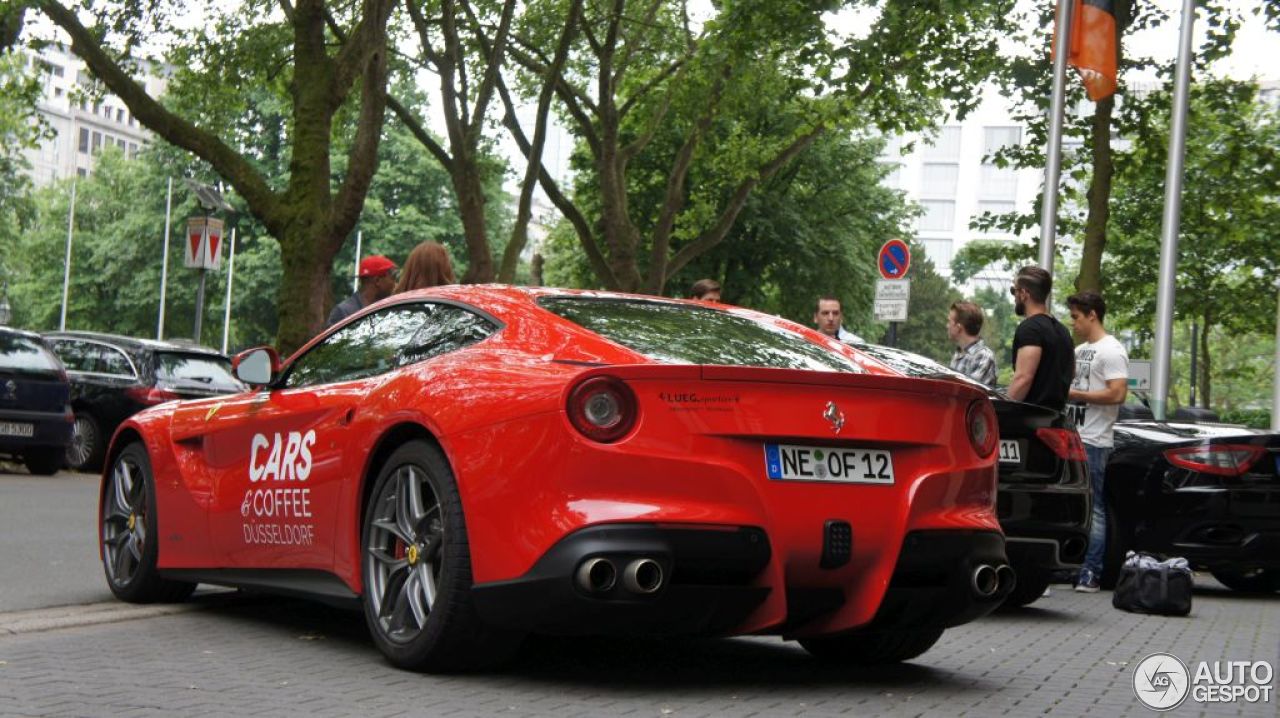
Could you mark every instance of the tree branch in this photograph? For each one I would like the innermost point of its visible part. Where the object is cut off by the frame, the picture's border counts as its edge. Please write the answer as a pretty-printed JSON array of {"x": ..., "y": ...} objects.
[
  {"x": 569, "y": 95},
  {"x": 264, "y": 203},
  {"x": 362, "y": 159},
  {"x": 415, "y": 128},
  {"x": 653, "y": 82},
  {"x": 524, "y": 211},
  {"x": 562, "y": 203},
  {"x": 495, "y": 54},
  {"x": 715, "y": 234},
  {"x": 629, "y": 48}
]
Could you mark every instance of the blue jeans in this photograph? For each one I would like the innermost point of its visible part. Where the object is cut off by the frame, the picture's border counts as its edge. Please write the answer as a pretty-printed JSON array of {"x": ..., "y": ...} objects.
[{"x": 1096, "y": 460}]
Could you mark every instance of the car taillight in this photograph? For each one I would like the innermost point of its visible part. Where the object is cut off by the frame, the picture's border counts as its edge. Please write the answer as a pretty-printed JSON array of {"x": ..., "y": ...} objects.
[
  {"x": 983, "y": 432},
  {"x": 602, "y": 408},
  {"x": 151, "y": 395},
  {"x": 1219, "y": 459},
  {"x": 1063, "y": 442}
]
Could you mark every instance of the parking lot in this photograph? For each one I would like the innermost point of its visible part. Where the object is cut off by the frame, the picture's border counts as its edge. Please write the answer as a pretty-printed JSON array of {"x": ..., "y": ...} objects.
[{"x": 231, "y": 654}]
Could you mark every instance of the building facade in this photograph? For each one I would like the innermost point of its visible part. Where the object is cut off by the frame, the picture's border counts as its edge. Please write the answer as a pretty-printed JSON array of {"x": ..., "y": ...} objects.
[{"x": 84, "y": 120}]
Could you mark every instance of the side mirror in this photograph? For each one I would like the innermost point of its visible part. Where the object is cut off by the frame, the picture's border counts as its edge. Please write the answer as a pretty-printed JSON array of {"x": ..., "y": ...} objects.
[{"x": 257, "y": 366}]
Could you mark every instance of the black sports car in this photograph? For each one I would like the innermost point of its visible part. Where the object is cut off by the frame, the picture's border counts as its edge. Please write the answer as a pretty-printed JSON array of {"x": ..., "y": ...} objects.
[
  {"x": 1043, "y": 499},
  {"x": 1207, "y": 492}
]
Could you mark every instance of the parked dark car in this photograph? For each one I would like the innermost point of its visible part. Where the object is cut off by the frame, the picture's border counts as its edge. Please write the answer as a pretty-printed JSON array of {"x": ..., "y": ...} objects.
[
  {"x": 1137, "y": 407},
  {"x": 35, "y": 419},
  {"x": 1043, "y": 501},
  {"x": 114, "y": 377},
  {"x": 1206, "y": 492}
]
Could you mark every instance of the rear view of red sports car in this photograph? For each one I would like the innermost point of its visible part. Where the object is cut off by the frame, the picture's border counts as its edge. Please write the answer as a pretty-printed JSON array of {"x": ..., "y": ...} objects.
[{"x": 472, "y": 464}]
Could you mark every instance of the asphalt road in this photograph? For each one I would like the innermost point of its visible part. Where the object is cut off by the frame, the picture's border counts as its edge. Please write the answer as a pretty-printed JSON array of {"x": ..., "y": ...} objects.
[{"x": 50, "y": 551}]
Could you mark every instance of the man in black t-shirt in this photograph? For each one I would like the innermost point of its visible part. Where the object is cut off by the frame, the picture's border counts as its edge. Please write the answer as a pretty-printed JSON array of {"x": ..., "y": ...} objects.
[{"x": 1043, "y": 356}]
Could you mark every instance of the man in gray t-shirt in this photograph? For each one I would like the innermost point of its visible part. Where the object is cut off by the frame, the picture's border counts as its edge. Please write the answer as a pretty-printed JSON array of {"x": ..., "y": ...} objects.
[{"x": 1098, "y": 390}]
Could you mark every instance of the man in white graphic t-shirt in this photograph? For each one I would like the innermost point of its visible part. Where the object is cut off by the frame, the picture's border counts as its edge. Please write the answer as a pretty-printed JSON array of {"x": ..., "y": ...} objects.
[{"x": 1098, "y": 390}]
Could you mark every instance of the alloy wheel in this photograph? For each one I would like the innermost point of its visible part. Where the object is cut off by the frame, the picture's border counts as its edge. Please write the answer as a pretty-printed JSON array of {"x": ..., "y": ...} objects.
[
  {"x": 404, "y": 543},
  {"x": 83, "y": 439},
  {"x": 125, "y": 519}
]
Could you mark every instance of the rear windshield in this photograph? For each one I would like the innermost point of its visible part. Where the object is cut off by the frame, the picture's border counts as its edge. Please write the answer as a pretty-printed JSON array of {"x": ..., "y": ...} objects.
[
  {"x": 19, "y": 353},
  {"x": 912, "y": 364},
  {"x": 196, "y": 371},
  {"x": 687, "y": 334}
]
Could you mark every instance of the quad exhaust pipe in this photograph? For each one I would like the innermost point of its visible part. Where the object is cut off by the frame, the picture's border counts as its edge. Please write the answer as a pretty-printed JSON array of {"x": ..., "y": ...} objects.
[
  {"x": 600, "y": 575},
  {"x": 988, "y": 581}
]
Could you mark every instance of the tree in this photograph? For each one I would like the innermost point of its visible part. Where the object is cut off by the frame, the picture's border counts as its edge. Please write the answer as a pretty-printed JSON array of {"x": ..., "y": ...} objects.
[
  {"x": 925, "y": 331},
  {"x": 637, "y": 72},
  {"x": 285, "y": 47},
  {"x": 19, "y": 130},
  {"x": 1228, "y": 264}
]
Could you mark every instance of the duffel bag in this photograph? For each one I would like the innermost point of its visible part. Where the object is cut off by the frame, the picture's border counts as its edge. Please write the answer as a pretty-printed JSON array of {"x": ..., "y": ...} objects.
[{"x": 1149, "y": 585}]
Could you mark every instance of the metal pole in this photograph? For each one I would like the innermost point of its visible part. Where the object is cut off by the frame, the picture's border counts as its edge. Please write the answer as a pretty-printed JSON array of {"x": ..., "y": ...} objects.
[
  {"x": 1194, "y": 350},
  {"x": 1053, "y": 153},
  {"x": 1172, "y": 216},
  {"x": 200, "y": 305},
  {"x": 164, "y": 260},
  {"x": 231, "y": 272},
  {"x": 355, "y": 273},
  {"x": 1275, "y": 381},
  {"x": 66, "y": 270}
]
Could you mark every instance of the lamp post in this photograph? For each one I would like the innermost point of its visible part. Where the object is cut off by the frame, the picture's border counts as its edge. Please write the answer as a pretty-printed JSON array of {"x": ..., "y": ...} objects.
[{"x": 6, "y": 311}]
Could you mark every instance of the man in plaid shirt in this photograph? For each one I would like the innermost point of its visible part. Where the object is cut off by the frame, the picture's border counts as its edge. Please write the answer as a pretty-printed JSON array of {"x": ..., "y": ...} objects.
[{"x": 973, "y": 357}]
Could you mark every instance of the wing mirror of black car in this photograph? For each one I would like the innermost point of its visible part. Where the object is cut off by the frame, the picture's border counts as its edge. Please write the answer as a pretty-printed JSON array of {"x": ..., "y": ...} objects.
[{"x": 257, "y": 366}]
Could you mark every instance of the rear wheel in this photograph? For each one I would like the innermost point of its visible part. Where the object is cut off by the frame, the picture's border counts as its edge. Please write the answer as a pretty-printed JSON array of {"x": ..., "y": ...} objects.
[
  {"x": 867, "y": 647},
  {"x": 43, "y": 462},
  {"x": 417, "y": 569},
  {"x": 84, "y": 453},
  {"x": 1258, "y": 580},
  {"x": 1028, "y": 588},
  {"x": 128, "y": 529}
]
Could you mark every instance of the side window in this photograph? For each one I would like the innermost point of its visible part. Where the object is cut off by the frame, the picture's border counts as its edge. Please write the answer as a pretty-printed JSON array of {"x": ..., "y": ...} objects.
[
  {"x": 113, "y": 361},
  {"x": 74, "y": 355},
  {"x": 449, "y": 329},
  {"x": 387, "y": 340}
]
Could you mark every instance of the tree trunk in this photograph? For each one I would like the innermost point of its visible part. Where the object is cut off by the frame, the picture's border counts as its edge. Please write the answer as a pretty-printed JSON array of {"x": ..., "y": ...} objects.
[
  {"x": 304, "y": 286},
  {"x": 470, "y": 190}
]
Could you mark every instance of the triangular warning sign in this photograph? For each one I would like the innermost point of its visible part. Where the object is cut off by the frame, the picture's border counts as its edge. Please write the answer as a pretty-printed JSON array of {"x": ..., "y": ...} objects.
[
  {"x": 194, "y": 239},
  {"x": 213, "y": 244}
]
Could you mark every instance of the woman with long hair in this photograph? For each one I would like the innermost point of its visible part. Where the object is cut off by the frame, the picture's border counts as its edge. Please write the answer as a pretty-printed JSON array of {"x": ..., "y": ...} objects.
[{"x": 428, "y": 265}]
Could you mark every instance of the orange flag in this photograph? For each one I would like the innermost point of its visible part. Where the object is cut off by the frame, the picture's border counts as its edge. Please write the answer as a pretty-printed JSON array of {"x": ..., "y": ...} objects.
[{"x": 1093, "y": 46}]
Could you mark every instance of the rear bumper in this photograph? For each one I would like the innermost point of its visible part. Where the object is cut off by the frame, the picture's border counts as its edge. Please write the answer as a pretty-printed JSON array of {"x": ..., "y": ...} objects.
[
  {"x": 1047, "y": 527},
  {"x": 1216, "y": 529},
  {"x": 50, "y": 430},
  {"x": 720, "y": 580}
]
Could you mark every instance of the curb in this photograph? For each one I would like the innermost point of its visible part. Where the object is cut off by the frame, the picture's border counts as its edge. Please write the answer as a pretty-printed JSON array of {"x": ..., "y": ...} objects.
[{"x": 52, "y": 619}]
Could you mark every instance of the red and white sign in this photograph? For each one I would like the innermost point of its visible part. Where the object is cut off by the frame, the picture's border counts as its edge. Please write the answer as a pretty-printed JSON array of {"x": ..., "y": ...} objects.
[{"x": 204, "y": 243}]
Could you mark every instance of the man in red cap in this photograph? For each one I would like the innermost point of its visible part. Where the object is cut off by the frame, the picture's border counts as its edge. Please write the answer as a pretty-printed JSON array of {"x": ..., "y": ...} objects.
[{"x": 377, "y": 281}]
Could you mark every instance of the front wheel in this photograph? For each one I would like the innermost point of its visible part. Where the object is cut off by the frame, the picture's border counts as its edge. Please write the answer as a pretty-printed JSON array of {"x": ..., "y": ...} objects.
[
  {"x": 1258, "y": 580},
  {"x": 867, "y": 647},
  {"x": 417, "y": 569},
  {"x": 128, "y": 527}
]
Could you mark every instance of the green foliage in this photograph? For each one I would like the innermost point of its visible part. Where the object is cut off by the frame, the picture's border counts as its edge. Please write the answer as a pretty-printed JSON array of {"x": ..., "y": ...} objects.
[
  {"x": 1254, "y": 418},
  {"x": 19, "y": 88},
  {"x": 925, "y": 331},
  {"x": 998, "y": 328}
]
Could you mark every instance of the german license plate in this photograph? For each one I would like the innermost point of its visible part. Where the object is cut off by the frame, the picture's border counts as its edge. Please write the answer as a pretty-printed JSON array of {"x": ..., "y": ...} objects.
[
  {"x": 16, "y": 428},
  {"x": 787, "y": 462},
  {"x": 1010, "y": 452}
]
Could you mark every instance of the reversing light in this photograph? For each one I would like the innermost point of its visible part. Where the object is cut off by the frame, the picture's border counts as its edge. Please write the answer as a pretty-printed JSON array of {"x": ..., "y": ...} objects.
[
  {"x": 602, "y": 408},
  {"x": 983, "y": 432},
  {"x": 1063, "y": 442},
  {"x": 1219, "y": 459}
]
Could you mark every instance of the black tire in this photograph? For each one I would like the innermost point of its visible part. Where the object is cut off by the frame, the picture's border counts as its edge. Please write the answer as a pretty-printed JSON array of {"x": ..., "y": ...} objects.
[
  {"x": 434, "y": 629},
  {"x": 128, "y": 525},
  {"x": 85, "y": 451},
  {"x": 43, "y": 462},
  {"x": 871, "y": 646},
  {"x": 1259, "y": 580},
  {"x": 1027, "y": 589}
]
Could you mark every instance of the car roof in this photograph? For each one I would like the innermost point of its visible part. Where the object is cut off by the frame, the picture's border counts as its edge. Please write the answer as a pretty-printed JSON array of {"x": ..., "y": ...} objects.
[
  {"x": 21, "y": 332},
  {"x": 134, "y": 343}
]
